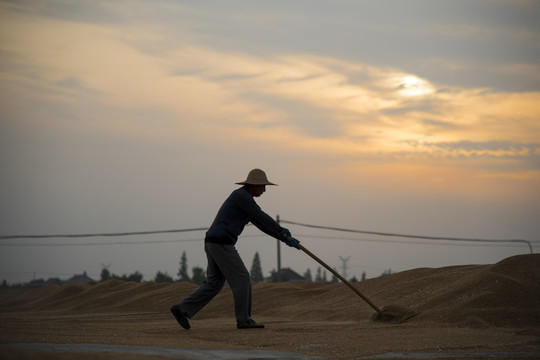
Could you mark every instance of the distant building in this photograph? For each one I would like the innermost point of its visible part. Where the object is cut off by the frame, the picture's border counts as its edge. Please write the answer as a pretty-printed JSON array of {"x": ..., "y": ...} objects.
[
  {"x": 286, "y": 274},
  {"x": 78, "y": 279},
  {"x": 41, "y": 282}
]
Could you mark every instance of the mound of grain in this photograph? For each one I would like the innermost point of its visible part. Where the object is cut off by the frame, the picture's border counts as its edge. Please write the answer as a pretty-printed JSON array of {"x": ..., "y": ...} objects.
[{"x": 506, "y": 294}]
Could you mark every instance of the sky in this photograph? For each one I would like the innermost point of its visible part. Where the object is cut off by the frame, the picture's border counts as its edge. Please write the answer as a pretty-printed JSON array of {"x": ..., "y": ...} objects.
[{"x": 414, "y": 117}]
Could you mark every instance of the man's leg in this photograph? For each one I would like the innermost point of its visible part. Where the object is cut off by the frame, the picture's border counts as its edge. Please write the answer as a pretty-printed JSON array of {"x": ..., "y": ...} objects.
[
  {"x": 211, "y": 286},
  {"x": 232, "y": 267}
]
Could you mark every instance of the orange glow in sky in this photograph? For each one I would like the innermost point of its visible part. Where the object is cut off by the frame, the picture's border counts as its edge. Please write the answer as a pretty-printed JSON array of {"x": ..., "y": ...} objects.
[{"x": 154, "y": 99}]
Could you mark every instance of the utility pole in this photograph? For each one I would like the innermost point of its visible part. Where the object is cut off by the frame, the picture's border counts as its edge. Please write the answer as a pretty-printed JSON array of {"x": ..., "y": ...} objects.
[
  {"x": 278, "y": 255},
  {"x": 344, "y": 266}
]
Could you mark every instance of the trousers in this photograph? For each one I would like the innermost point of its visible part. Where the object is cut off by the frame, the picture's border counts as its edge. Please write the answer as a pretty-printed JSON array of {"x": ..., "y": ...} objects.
[{"x": 224, "y": 263}]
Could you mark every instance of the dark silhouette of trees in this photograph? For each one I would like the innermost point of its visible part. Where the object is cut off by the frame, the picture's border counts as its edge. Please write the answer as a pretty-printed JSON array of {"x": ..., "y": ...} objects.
[
  {"x": 256, "y": 269},
  {"x": 106, "y": 275},
  {"x": 183, "y": 270},
  {"x": 163, "y": 277},
  {"x": 198, "y": 276},
  {"x": 136, "y": 277},
  {"x": 307, "y": 275},
  {"x": 386, "y": 272}
]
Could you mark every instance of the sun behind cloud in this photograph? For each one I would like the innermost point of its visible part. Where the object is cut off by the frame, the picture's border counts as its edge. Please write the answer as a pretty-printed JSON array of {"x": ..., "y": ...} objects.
[{"x": 180, "y": 89}]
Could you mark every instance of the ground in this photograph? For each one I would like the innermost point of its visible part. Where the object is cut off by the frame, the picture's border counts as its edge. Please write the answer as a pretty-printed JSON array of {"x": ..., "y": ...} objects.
[{"x": 478, "y": 309}]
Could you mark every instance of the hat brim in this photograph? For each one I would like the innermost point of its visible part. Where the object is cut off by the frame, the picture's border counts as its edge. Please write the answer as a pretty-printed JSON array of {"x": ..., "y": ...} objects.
[{"x": 252, "y": 183}]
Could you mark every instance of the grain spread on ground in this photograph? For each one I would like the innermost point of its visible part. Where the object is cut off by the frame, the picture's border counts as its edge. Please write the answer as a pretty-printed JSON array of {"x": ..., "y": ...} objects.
[{"x": 473, "y": 309}]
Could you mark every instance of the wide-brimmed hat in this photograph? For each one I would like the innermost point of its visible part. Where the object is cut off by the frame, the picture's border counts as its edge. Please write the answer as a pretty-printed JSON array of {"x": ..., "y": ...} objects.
[{"x": 256, "y": 177}]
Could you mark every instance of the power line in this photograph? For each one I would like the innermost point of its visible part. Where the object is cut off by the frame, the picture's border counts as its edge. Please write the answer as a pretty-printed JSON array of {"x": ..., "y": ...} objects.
[
  {"x": 412, "y": 242},
  {"x": 4, "y": 237},
  {"x": 144, "y": 242},
  {"x": 423, "y": 237},
  {"x": 411, "y": 236}
]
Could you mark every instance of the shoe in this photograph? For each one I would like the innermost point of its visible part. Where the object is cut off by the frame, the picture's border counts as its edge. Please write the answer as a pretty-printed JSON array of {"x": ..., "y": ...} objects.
[
  {"x": 250, "y": 324},
  {"x": 181, "y": 316}
]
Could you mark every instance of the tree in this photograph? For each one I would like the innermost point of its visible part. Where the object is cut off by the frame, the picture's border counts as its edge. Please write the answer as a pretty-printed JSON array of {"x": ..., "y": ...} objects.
[
  {"x": 198, "y": 276},
  {"x": 256, "y": 270},
  {"x": 183, "y": 271},
  {"x": 163, "y": 277},
  {"x": 136, "y": 277},
  {"x": 318, "y": 276},
  {"x": 105, "y": 274},
  {"x": 274, "y": 276},
  {"x": 386, "y": 272},
  {"x": 353, "y": 279},
  {"x": 307, "y": 275},
  {"x": 363, "y": 275}
]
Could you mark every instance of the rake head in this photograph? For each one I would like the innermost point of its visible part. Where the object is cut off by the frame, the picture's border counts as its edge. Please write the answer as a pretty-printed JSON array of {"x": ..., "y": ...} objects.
[{"x": 393, "y": 313}]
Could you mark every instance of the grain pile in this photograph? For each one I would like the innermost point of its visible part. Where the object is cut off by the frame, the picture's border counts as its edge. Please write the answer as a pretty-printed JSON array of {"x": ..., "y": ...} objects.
[{"x": 471, "y": 307}]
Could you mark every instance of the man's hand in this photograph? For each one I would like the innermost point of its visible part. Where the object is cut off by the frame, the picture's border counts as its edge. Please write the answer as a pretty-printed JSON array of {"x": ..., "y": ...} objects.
[
  {"x": 285, "y": 234},
  {"x": 288, "y": 239},
  {"x": 292, "y": 242}
]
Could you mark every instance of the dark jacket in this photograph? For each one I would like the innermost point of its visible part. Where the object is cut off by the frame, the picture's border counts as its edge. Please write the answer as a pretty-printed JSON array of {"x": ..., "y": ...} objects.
[{"x": 237, "y": 210}]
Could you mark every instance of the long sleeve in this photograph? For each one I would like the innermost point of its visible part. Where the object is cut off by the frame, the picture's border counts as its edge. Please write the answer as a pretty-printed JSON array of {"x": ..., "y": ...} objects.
[
  {"x": 237, "y": 210},
  {"x": 260, "y": 219}
]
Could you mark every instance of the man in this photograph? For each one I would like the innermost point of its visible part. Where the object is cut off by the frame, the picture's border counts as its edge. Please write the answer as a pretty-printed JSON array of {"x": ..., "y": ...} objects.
[{"x": 224, "y": 262}]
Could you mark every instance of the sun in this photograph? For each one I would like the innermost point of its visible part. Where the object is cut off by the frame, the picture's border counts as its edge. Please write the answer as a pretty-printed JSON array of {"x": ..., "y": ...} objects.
[{"x": 410, "y": 85}]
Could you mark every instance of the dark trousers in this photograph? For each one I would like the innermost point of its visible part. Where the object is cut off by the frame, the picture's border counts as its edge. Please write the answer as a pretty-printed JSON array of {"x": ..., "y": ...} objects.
[{"x": 224, "y": 263}]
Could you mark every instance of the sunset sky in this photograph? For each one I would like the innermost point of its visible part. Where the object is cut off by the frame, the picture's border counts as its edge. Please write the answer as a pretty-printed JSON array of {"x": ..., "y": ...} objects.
[{"x": 414, "y": 117}]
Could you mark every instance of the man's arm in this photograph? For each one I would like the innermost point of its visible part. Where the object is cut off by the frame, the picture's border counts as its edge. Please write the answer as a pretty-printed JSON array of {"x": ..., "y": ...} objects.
[{"x": 265, "y": 222}]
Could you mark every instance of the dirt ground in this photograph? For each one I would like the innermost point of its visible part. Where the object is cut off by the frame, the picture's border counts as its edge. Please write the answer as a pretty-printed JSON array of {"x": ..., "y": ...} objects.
[{"x": 479, "y": 309}]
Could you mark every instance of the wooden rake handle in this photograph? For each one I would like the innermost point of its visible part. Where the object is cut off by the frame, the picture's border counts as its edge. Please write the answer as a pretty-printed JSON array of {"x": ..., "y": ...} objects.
[{"x": 345, "y": 281}]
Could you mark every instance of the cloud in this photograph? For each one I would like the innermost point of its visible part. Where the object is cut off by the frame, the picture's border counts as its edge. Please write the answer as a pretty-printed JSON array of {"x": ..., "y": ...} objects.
[
  {"x": 492, "y": 149},
  {"x": 130, "y": 114},
  {"x": 165, "y": 82}
]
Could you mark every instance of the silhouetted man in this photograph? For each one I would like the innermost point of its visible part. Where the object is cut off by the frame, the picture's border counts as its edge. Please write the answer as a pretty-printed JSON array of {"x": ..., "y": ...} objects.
[{"x": 224, "y": 262}]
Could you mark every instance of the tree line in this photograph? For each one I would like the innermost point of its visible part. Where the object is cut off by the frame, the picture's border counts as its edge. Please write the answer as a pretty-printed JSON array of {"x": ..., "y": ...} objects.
[{"x": 199, "y": 275}]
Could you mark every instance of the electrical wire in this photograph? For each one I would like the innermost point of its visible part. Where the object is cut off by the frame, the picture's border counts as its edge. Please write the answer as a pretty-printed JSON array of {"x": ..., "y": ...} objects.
[
  {"x": 422, "y": 237},
  {"x": 304, "y": 236},
  {"x": 144, "y": 242},
  {"x": 4, "y": 237},
  {"x": 412, "y": 236},
  {"x": 401, "y": 241}
]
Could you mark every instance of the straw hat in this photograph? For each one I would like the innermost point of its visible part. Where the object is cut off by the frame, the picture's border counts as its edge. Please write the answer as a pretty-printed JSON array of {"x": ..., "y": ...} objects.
[{"x": 256, "y": 177}]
